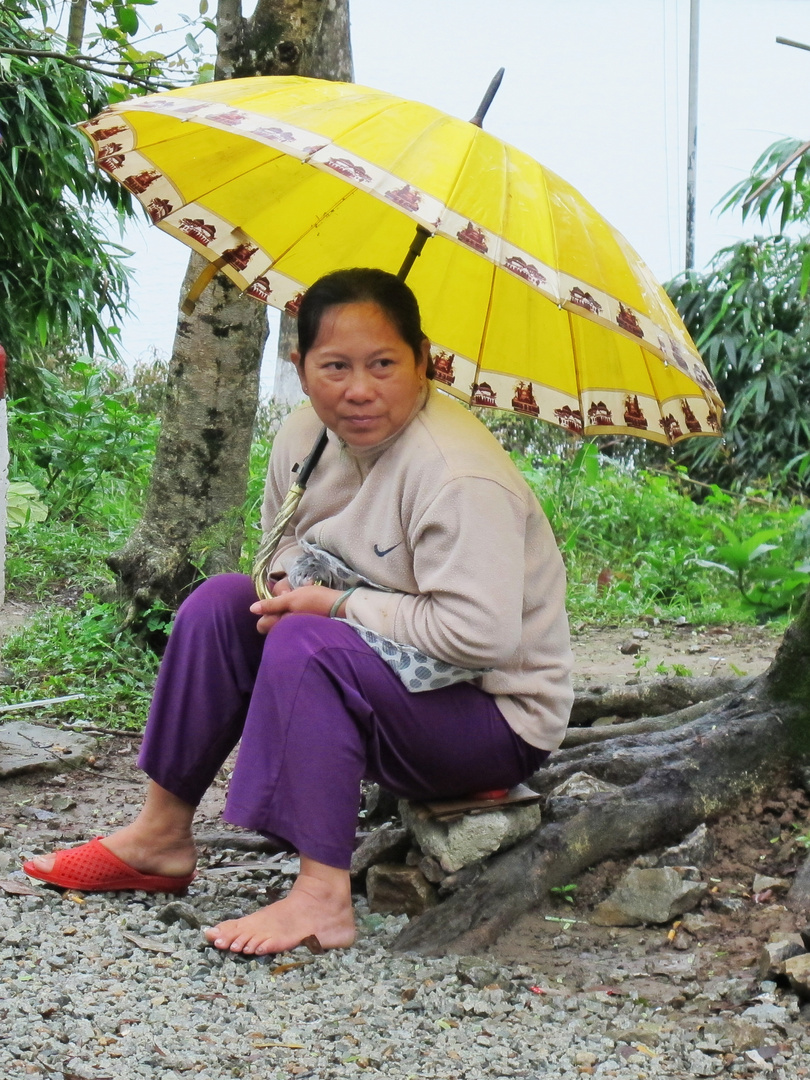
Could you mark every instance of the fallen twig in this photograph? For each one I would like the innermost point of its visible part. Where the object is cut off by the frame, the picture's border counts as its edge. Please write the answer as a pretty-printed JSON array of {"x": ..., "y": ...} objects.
[{"x": 42, "y": 703}]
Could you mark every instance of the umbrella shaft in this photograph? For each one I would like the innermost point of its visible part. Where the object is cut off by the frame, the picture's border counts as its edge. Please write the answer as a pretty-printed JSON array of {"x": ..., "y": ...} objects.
[{"x": 414, "y": 251}]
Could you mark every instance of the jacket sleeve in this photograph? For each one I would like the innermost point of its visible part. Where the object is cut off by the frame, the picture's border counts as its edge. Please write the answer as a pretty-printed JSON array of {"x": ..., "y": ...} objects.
[{"x": 469, "y": 565}]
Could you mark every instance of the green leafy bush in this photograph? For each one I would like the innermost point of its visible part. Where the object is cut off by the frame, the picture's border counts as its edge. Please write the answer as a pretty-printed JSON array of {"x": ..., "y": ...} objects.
[
  {"x": 24, "y": 505},
  {"x": 87, "y": 444},
  {"x": 636, "y": 542}
]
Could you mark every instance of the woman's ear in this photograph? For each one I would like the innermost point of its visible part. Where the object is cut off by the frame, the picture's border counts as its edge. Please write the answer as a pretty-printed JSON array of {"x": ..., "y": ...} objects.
[{"x": 299, "y": 367}]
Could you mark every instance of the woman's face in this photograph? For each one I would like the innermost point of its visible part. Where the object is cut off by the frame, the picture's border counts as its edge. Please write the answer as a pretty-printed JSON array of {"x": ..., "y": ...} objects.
[{"x": 362, "y": 378}]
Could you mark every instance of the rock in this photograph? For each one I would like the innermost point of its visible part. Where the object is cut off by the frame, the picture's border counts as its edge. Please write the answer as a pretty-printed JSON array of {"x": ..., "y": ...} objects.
[
  {"x": 776, "y": 951},
  {"x": 630, "y": 648},
  {"x": 762, "y": 882},
  {"x": 379, "y": 804},
  {"x": 647, "y": 1033},
  {"x": 649, "y": 896},
  {"x": 805, "y": 936},
  {"x": 177, "y": 911},
  {"x": 696, "y": 924},
  {"x": 766, "y": 1013},
  {"x": 473, "y": 971},
  {"x": 696, "y": 849},
  {"x": 797, "y": 969},
  {"x": 738, "y": 1035},
  {"x": 472, "y": 837},
  {"x": 61, "y": 802},
  {"x": 682, "y": 941},
  {"x": 581, "y": 785},
  {"x": 386, "y": 844},
  {"x": 400, "y": 890},
  {"x": 585, "y": 1059},
  {"x": 701, "y": 1064},
  {"x": 31, "y": 747},
  {"x": 727, "y": 905},
  {"x": 431, "y": 869}
]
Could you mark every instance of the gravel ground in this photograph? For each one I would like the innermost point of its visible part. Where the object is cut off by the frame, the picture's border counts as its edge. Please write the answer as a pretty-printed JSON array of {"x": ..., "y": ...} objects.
[{"x": 110, "y": 986}]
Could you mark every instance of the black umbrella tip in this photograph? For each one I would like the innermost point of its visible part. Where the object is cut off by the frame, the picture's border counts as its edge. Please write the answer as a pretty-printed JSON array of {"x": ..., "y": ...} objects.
[{"x": 486, "y": 101}]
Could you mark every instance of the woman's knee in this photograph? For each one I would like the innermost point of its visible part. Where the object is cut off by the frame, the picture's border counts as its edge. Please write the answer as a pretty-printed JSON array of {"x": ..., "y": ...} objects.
[{"x": 297, "y": 637}]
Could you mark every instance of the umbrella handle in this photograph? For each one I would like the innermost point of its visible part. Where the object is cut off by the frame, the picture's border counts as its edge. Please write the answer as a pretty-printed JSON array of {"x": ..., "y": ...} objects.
[{"x": 271, "y": 539}]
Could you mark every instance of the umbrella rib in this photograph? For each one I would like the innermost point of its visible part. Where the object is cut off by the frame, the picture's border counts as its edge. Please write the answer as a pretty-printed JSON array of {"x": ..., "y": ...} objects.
[{"x": 493, "y": 268}]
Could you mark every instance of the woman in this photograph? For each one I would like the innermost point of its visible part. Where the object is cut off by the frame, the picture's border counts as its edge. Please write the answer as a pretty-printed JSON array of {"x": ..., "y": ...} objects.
[{"x": 450, "y": 557}]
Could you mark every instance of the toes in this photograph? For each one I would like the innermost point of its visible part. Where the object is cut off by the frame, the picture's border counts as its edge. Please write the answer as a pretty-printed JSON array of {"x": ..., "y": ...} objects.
[{"x": 44, "y": 862}]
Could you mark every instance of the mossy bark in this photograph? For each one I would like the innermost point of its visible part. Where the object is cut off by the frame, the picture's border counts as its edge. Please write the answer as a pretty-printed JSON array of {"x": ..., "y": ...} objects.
[
  {"x": 668, "y": 783},
  {"x": 191, "y": 524}
]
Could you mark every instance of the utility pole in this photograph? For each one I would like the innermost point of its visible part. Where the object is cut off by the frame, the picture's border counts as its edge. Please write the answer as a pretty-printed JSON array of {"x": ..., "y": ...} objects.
[{"x": 691, "y": 159}]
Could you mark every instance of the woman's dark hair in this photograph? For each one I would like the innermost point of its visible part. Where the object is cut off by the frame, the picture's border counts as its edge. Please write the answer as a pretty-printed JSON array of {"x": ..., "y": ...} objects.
[{"x": 359, "y": 285}]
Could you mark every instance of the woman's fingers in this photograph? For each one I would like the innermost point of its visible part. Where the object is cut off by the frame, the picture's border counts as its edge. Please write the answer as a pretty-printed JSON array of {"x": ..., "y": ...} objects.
[{"x": 312, "y": 599}]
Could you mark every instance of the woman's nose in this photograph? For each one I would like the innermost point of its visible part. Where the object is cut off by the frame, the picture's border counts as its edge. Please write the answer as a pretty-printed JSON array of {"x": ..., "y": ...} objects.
[{"x": 360, "y": 386}]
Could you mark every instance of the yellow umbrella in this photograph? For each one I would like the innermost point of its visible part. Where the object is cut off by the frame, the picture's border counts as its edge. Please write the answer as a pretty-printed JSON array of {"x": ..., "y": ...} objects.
[{"x": 532, "y": 301}]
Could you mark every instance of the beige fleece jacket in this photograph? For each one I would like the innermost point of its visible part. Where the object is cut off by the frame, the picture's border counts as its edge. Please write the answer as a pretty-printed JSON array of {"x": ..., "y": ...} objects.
[{"x": 440, "y": 514}]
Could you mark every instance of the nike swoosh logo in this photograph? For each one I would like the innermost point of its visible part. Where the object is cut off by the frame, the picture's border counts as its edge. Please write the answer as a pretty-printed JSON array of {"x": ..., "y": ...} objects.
[{"x": 381, "y": 553}]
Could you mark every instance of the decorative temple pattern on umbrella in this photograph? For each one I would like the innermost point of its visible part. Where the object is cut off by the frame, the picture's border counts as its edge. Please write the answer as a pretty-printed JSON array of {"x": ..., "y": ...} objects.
[{"x": 591, "y": 398}]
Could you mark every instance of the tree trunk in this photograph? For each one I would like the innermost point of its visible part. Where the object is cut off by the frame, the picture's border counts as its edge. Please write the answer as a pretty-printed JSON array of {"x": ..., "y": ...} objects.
[
  {"x": 75, "y": 34},
  {"x": 670, "y": 781},
  {"x": 191, "y": 524}
]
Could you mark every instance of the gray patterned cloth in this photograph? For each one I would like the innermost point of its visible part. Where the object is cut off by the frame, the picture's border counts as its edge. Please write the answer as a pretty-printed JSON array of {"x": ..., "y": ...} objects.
[{"x": 416, "y": 670}]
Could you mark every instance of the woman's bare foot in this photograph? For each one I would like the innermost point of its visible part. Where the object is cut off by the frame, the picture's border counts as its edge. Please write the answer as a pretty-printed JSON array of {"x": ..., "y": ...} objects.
[
  {"x": 319, "y": 903},
  {"x": 159, "y": 840}
]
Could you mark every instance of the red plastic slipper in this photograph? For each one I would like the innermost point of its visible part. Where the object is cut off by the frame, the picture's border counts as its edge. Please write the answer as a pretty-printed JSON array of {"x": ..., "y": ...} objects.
[{"x": 93, "y": 868}]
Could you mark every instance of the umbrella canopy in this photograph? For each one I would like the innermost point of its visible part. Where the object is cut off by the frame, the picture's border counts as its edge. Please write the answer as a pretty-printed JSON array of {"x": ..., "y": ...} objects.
[{"x": 532, "y": 301}]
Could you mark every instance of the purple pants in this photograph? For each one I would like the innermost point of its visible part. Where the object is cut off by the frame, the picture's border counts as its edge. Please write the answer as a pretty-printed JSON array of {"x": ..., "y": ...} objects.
[{"x": 317, "y": 711}]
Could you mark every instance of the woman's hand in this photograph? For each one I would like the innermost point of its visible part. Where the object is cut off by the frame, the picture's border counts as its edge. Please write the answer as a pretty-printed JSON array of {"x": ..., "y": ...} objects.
[{"x": 311, "y": 599}]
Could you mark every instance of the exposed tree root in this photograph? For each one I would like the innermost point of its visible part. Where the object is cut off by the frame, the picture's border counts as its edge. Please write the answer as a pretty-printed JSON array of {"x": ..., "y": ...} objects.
[
  {"x": 670, "y": 782},
  {"x": 653, "y": 697},
  {"x": 583, "y": 736}
]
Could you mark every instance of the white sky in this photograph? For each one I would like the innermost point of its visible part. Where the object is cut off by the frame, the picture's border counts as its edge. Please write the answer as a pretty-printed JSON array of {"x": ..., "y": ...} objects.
[{"x": 594, "y": 89}]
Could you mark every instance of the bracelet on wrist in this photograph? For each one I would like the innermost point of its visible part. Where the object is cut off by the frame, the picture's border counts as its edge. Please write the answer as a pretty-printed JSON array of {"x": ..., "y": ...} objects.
[{"x": 340, "y": 601}]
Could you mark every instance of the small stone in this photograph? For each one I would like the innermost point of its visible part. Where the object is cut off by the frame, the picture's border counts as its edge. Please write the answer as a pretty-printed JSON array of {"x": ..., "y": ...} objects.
[
  {"x": 682, "y": 941},
  {"x": 797, "y": 969},
  {"x": 728, "y": 905},
  {"x": 696, "y": 849},
  {"x": 649, "y": 896},
  {"x": 431, "y": 869},
  {"x": 386, "y": 844},
  {"x": 696, "y": 924},
  {"x": 740, "y": 1035},
  {"x": 647, "y": 1033},
  {"x": 401, "y": 890},
  {"x": 585, "y": 1058},
  {"x": 581, "y": 785},
  {"x": 177, "y": 911},
  {"x": 763, "y": 882},
  {"x": 472, "y": 971},
  {"x": 775, "y": 952},
  {"x": 61, "y": 802},
  {"x": 630, "y": 648}
]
